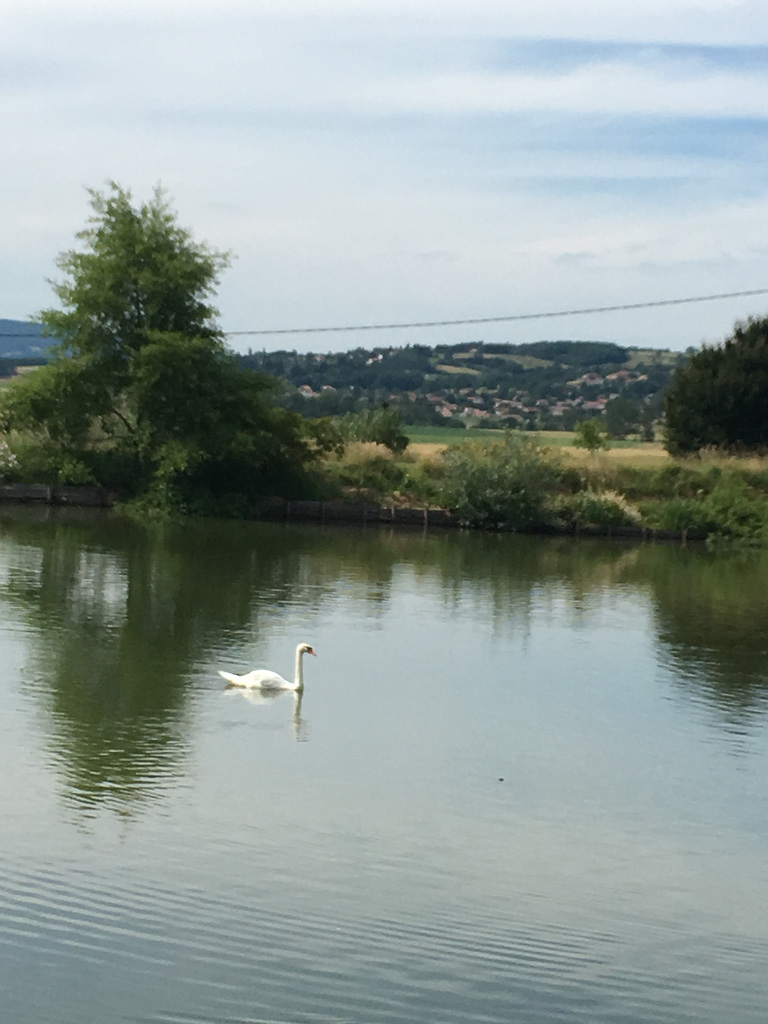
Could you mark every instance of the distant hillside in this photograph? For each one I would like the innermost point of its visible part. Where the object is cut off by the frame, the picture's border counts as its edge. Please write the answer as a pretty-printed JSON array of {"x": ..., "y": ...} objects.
[
  {"x": 20, "y": 339},
  {"x": 538, "y": 385},
  {"x": 543, "y": 384}
]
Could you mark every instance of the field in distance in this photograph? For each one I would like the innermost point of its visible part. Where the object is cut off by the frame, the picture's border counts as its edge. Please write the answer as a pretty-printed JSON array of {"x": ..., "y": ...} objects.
[{"x": 430, "y": 441}]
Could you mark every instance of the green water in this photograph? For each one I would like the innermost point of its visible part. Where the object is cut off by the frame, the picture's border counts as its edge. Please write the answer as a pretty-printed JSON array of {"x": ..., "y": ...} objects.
[{"x": 526, "y": 780}]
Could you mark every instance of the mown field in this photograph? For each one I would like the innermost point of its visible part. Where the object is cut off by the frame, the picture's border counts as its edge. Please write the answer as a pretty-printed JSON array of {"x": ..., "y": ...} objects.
[{"x": 430, "y": 441}]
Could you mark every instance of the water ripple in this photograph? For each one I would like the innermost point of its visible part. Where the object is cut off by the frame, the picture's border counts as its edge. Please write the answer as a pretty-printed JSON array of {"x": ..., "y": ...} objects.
[{"x": 178, "y": 948}]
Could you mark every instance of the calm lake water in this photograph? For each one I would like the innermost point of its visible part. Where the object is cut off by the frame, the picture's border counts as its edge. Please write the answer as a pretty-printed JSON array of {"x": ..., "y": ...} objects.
[{"x": 528, "y": 780}]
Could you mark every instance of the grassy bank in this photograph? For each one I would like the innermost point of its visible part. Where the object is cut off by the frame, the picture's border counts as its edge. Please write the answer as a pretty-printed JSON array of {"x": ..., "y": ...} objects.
[{"x": 488, "y": 479}]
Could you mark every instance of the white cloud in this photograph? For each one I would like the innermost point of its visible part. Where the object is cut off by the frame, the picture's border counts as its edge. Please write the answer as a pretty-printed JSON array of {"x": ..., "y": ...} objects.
[
  {"x": 612, "y": 88},
  {"x": 246, "y": 65},
  {"x": 693, "y": 21},
  {"x": 332, "y": 145}
]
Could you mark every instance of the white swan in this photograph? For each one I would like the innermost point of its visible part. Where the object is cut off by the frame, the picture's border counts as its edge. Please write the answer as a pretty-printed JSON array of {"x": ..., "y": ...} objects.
[{"x": 263, "y": 679}]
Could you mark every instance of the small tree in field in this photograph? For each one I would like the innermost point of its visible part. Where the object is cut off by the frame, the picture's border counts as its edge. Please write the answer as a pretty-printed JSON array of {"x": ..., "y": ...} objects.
[
  {"x": 592, "y": 435},
  {"x": 142, "y": 394},
  {"x": 382, "y": 426}
]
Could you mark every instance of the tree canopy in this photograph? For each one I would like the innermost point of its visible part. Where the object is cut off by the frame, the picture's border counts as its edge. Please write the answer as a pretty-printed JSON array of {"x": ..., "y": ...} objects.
[
  {"x": 591, "y": 434},
  {"x": 142, "y": 394},
  {"x": 720, "y": 398}
]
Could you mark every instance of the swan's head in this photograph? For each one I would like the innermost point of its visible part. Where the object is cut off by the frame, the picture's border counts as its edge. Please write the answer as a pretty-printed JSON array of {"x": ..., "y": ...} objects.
[{"x": 305, "y": 649}]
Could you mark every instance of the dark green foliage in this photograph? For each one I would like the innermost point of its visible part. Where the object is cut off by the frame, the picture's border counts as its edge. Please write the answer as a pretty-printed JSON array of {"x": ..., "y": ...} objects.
[
  {"x": 678, "y": 514},
  {"x": 509, "y": 484},
  {"x": 720, "y": 399},
  {"x": 622, "y": 417},
  {"x": 380, "y": 426},
  {"x": 736, "y": 510},
  {"x": 139, "y": 272},
  {"x": 731, "y": 511},
  {"x": 142, "y": 395},
  {"x": 326, "y": 435}
]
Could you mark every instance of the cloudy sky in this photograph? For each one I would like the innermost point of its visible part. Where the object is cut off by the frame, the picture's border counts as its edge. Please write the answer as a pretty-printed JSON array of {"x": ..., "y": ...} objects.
[{"x": 378, "y": 161}]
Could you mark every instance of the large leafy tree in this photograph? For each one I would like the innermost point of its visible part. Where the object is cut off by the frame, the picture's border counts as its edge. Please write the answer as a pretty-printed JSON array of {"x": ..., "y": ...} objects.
[
  {"x": 142, "y": 394},
  {"x": 720, "y": 398}
]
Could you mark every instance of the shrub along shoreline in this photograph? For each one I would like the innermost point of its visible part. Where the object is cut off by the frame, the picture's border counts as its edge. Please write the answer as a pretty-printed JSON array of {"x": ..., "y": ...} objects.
[
  {"x": 518, "y": 483},
  {"x": 514, "y": 484},
  {"x": 345, "y": 512},
  {"x": 339, "y": 511}
]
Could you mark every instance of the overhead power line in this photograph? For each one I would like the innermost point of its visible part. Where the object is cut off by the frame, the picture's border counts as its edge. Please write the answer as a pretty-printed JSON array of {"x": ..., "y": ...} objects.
[
  {"x": 494, "y": 319},
  {"x": 469, "y": 320}
]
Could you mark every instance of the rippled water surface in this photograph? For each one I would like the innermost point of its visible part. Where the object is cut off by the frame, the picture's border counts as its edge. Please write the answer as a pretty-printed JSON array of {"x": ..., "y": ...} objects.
[{"x": 527, "y": 780}]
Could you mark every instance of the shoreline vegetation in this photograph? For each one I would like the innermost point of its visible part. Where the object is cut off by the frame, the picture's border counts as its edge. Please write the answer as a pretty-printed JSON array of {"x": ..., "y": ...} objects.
[
  {"x": 526, "y": 483},
  {"x": 340, "y": 512},
  {"x": 509, "y": 482}
]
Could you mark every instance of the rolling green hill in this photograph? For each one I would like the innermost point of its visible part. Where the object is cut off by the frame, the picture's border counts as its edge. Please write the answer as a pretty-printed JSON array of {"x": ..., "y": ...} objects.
[
  {"x": 544, "y": 384},
  {"x": 539, "y": 385}
]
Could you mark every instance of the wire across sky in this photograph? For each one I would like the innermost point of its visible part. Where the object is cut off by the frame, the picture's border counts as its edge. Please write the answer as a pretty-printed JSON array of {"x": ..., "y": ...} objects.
[
  {"x": 263, "y": 331},
  {"x": 493, "y": 319}
]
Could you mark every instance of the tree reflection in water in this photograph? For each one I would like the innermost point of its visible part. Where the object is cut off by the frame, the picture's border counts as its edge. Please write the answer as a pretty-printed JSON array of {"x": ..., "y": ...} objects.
[
  {"x": 710, "y": 617},
  {"x": 122, "y": 616}
]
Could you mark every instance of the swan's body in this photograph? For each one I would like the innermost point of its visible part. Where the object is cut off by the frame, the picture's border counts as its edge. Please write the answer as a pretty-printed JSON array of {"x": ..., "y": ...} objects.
[{"x": 263, "y": 679}]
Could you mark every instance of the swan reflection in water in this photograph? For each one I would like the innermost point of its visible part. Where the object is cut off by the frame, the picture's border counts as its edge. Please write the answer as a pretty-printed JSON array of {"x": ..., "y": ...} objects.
[{"x": 262, "y": 697}]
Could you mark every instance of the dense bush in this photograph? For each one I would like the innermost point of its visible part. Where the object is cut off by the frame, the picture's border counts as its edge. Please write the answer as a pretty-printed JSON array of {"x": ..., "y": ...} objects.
[
  {"x": 365, "y": 471},
  {"x": 737, "y": 511},
  {"x": 591, "y": 508},
  {"x": 732, "y": 510},
  {"x": 678, "y": 514},
  {"x": 509, "y": 484}
]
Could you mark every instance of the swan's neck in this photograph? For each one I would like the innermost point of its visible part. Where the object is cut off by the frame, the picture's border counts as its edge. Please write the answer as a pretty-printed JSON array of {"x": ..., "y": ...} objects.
[{"x": 298, "y": 671}]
